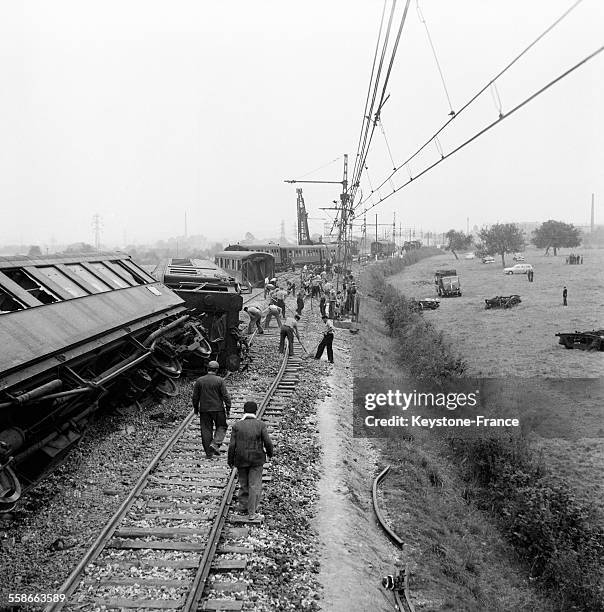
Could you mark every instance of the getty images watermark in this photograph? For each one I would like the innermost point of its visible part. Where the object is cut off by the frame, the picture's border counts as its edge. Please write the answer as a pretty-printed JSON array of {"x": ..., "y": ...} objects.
[{"x": 570, "y": 408}]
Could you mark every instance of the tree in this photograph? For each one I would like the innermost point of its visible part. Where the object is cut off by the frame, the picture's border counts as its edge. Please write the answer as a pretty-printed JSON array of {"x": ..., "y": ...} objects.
[
  {"x": 34, "y": 251},
  {"x": 555, "y": 235},
  {"x": 457, "y": 241},
  {"x": 502, "y": 238}
]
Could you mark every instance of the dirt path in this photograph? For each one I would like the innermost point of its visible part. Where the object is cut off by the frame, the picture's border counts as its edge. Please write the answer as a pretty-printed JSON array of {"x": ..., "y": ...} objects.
[{"x": 355, "y": 554}]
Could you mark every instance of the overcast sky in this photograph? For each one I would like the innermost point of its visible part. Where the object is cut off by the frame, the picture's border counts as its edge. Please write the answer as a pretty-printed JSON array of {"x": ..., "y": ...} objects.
[{"x": 140, "y": 111}]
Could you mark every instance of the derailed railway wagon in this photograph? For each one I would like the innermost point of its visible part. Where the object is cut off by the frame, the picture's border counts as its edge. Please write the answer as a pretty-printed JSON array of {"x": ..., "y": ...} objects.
[
  {"x": 79, "y": 333},
  {"x": 215, "y": 297},
  {"x": 249, "y": 268}
]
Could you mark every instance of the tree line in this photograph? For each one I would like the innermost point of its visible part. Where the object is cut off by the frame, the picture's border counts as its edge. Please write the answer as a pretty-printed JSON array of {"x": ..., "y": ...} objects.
[{"x": 504, "y": 238}]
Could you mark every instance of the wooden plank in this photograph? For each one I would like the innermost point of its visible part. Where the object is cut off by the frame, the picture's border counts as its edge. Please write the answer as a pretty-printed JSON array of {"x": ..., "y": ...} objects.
[
  {"x": 243, "y": 519},
  {"x": 169, "y": 493},
  {"x": 156, "y": 545},
  {"x": 156, "y": 604},
  {"x": 154, "y": 562},
  {"x": 240, "y": 550},
  {"x": 179, "y": 517},
  {"x": 225, "y": 586},
  {"x": 170, "y": 532},
  {"x": 238, "y": 532},
  {"x": 222, "y": 604},
  {"x": 143, "y": 582},
  {"x": 228, "y": 564},
  {"x": 178, "y": 504},
  {"x": 206, "y": 482}
]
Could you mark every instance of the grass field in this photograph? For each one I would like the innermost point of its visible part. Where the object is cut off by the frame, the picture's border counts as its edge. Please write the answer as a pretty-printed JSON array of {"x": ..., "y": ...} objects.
[{"x": 519, "y": 341}]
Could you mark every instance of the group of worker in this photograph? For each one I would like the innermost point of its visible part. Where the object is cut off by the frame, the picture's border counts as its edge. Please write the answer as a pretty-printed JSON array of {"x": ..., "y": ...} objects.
[
  {"x": 289, "y": 326},
  {"x": 250, "y": 442}
]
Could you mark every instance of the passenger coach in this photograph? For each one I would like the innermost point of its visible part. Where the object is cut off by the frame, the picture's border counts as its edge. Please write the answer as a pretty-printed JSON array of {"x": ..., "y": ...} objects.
[
  {"x": 286, "y": 256},
  {"x": 249, "y": 268}
]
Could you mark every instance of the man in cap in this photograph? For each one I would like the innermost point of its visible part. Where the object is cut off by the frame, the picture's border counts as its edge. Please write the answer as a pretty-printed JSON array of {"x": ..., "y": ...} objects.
[
  {"x": 249, "y": 447},
  {"x": 212, "y": 402},
  {"x": 255, "y": 315}
]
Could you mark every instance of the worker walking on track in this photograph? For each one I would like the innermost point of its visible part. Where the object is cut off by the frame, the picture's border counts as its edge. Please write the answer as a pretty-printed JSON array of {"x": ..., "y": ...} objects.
[
  {"x": 300, "y": 303},
  {"x": 249, "y": 447},
  {"x": 327, "y": 341},
  {"x": 255, "y": 315},
  {"x": 212, "y": 402},
  {"x": 288, "y": 329}
]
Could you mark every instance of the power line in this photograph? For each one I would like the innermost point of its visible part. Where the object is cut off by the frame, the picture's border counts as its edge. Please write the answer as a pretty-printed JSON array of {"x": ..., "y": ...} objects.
[
  {"x": 362, "y": 162},
  {"x": 360, "y": 159},
  {"x": 479, "y": 93},
  {"x": 333, "y": 161},
  {"x": 442, "y": 76},
  {"x": 491, "y": 125},
  {"x": 365, "y": 117}
]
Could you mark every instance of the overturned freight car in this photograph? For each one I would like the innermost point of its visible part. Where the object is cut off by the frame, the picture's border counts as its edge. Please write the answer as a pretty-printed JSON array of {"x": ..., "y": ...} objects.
[{"x": 79, "y": 332}]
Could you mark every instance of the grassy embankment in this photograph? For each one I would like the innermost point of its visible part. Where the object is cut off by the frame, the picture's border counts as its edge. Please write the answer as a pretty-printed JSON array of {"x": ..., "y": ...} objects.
[{"x": 457, "y": 551}]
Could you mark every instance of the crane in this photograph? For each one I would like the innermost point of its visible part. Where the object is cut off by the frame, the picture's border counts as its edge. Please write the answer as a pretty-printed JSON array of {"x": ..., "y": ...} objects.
[{"x": 303, "y": 233}]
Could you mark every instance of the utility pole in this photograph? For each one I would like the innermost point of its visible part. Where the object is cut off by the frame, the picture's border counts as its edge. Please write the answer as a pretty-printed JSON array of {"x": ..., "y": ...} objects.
[
  {"x": 186, "y": 225},
  {"x": 593, "y": 212},
  {"x": 376, "y": 228},
  {"x": 345, "y": 214},
  {"x": 96, "y": 228}
]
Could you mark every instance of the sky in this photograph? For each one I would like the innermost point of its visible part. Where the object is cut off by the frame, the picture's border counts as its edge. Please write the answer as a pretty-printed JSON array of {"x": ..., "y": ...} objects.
[{"x": 140, "y": 111}]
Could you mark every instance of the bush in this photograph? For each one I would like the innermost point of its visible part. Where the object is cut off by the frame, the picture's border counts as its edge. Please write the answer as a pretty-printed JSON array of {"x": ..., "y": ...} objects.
[{"x": 551, "y": 530}]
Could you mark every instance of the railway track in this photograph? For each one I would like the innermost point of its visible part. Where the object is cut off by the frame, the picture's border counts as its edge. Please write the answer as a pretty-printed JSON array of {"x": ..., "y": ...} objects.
[{"x": 175, "y": 532}]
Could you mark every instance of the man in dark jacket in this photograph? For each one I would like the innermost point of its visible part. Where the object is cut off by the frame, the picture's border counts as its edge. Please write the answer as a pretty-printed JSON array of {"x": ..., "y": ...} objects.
[
  {"x": 249, "y": 441},
  {"x": 212, "y": 402}
]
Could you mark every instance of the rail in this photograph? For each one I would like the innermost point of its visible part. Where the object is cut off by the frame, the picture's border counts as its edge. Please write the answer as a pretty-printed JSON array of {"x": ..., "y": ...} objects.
[{"x": 198, "y": 583}]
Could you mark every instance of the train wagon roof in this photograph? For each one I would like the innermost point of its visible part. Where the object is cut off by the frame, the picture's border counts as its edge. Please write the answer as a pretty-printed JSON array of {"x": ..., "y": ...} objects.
[
  {"x": 252, "y": 247},
  {"x": 243, "y": 254},
  {"x": 196, "y": 269}
]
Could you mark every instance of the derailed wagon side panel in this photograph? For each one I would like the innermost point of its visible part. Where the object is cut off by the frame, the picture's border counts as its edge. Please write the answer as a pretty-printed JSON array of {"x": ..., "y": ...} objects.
[{"x": 29, "y": 337}]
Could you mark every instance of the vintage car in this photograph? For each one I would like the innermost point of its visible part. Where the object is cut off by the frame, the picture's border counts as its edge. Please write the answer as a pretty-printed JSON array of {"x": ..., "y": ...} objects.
[
  {"x": 521, "y": 268},
  {"x": 488, "y": 259}
]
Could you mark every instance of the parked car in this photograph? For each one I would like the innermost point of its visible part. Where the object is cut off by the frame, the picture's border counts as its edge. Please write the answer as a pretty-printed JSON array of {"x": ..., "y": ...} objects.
[
  {"x": 519, "y": 257},
  {"x": 469, "y": 256},
  {"x": 521, "y": 268},
  {"x": 488, "y": 259}
]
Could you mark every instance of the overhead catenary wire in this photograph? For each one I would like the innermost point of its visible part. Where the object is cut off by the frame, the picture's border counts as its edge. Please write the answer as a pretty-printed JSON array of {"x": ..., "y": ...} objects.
[
  {"x": 365, "y": 111},
  {"x": 333, "y": 161},
  {"x": 367, "y": 122},
  {"x": 479, "y": 93},
  {"x": 362, "y": 164},
  {"x": 491, "y": 125},
  {"x": 442, "y": 76}
]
